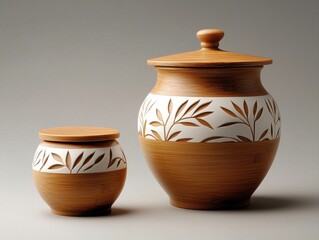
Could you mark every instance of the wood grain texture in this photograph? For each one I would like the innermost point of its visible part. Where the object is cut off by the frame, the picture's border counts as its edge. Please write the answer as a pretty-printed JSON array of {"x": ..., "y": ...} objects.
[
  {"x": 210, "y": 55},
  {"x": 78, "y": 134},
  {"x": 80, "y": 194},
  {"x": 209, "y": 82},
  {"x": 209, "y": 175}
]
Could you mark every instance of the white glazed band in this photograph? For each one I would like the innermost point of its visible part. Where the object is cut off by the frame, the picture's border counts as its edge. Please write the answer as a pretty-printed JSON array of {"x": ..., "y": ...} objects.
[
  {"x": 209, "y": 119},
  {"x": 79, "y": 160}
]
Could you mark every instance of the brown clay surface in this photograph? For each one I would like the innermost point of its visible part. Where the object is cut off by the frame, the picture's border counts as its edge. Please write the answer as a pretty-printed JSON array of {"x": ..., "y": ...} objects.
[
  {"x": 209, "y": 82},
  {"x": 209, "y": 175},
  {"x": 80, "y": 194}
]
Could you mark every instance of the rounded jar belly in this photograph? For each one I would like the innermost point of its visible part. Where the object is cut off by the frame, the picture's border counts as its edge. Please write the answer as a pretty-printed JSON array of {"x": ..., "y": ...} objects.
[{"x": 209, "y": 119}]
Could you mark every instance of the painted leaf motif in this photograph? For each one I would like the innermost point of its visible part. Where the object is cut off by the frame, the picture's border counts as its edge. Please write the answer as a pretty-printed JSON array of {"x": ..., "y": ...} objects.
[
  {"x": 259, "y": 114},
  {"x": 174, "y": 135},
  {"x": 77, "y": 160},
  {"x": 255, "y": 108},
  {"x": 159, "y": 115},
  {"x": 110, "y": 155},
  {"x": 68, "y": 160},
  {"x": 268, "y": 107},
  {"x": 271, "y": 131},
  {"x": 229, "y": 124},
  {"x": 118, "y": 164},
  {"x": 57, "y": 157},
  {"x": 99, "y": 159},
  {"x": 37, "y": 160},
  {"x": 201, "y": 107},
  {"x": 38, "y": 154},
  {"x": 204, "y": 114},
  {"x": 183, "y": 139},
  {"x": 263, "y": 134},
  {"x": 265, "y": 139},
  {"x": 189, "y": 124},
  {"x": 205, "y": 123},
  {"x": 156, "y": 124},
  {"x": 211, "y": 138},
  {"x": 43, "y": 157},
  {"x": 238, "y": 109},
  {"x": 180, "y": 109},
  {"x": 229, "y": 112},
  {"x": 123, "y": 155},
  {"x": 111, "y": 162},
  {"x": 44, "y": 162},
  {"x": 56, "y": 166},
  {"x": 274, "y": 106},
  {"x": 156, "y": 134},
  {"x": 88, "y": 158},
  {"x": 191, "y": 107},
  {"x": 246, "y": 108},
  {"x": 243, "y": 139},
  {"x": 170, "y": 106}
]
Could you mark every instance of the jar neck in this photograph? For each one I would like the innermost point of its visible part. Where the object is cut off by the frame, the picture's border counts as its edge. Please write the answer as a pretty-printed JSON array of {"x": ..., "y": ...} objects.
[{"x": 209, "y": 82}]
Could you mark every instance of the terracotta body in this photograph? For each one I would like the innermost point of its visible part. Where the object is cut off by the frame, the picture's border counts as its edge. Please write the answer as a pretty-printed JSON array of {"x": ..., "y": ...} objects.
[
  {"x": 82, "y": 175},
  {"x": 208, "y": 129}
]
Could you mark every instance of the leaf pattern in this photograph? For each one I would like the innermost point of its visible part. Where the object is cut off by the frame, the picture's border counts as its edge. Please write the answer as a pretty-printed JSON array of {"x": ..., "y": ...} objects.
[
  {"x": 243, "y": 118},
  {"x": 99, "y": 159},
  {"x": 56, "y": 162},
  {"x": 172, "y": 116},
  {"x": 180, "y": 118},
  {"x": 181, "y": 108},
  {"x": 88, "y": 158},
  {"x": 159, "y": 115},
  {"x": 174, "y": 135},
  {"x": 37, "y": 160},
  {"x": 146, "y": 107},
  {"x": 68, "y": 161},
  {"x": 45, "y": 160},
  {"x": 57, "y": 157},
  {"x": 183, "y": 139},
  {"x": 56, "y": 166},
  {"x": 78, "y": 160},
  {"x": 272, "y": 109},
  {"x": 113, "y": 160}
]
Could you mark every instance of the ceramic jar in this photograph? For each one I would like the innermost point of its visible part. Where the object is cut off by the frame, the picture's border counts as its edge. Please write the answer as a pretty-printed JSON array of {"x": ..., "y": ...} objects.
[
  {"x": 208, "y": 129},
  {"x": 79, "y": 170}
]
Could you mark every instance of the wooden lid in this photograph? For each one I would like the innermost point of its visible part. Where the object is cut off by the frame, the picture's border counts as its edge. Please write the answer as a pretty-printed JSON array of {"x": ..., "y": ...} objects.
[
  {"x": 209, "y": 55},
  {"x": 78, "y": 134}
]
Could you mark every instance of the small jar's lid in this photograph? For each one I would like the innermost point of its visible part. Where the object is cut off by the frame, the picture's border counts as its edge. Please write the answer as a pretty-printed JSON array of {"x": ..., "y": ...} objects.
[
  {"x": 209, "y": 55},
  {"x": 78, "y": 134}
]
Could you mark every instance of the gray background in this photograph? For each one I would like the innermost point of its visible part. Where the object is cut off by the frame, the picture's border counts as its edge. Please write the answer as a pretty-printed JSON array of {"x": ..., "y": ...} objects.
[{"x": 84, "y": 63}]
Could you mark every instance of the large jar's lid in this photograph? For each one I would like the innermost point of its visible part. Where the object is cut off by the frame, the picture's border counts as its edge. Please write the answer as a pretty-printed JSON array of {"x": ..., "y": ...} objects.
[
  {"x": 78, "y": 134},
  {"x": 209, "y": 55}
]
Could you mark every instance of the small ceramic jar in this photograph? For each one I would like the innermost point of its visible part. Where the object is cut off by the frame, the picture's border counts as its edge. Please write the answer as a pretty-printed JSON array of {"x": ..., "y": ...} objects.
[{"x": 79, "y": 170}]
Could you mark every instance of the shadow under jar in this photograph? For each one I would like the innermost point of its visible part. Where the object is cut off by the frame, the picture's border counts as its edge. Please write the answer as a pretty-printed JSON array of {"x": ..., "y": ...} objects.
[
  {"x": 79, "y": 170},
  {"x": 208, "y": 129}
]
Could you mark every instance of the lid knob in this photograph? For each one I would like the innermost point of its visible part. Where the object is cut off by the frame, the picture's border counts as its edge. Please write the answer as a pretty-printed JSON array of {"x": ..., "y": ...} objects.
[{"x": 210, "y": 38}]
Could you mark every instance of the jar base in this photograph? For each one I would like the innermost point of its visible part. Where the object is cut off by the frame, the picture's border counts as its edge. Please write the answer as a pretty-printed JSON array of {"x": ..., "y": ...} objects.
[
  {"x": 95, "y": 212},
  {"x": 213, "y": 205}
]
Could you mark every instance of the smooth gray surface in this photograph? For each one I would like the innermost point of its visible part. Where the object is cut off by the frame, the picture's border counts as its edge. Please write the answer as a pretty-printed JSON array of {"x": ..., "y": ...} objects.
[{"x": 84, "y": 63}]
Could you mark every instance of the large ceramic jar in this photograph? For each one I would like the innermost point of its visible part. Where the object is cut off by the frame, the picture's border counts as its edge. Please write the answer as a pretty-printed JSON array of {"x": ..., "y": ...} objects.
[
  {"x": 79, "y": 170},
  {"x": 209, "y": 130}
]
